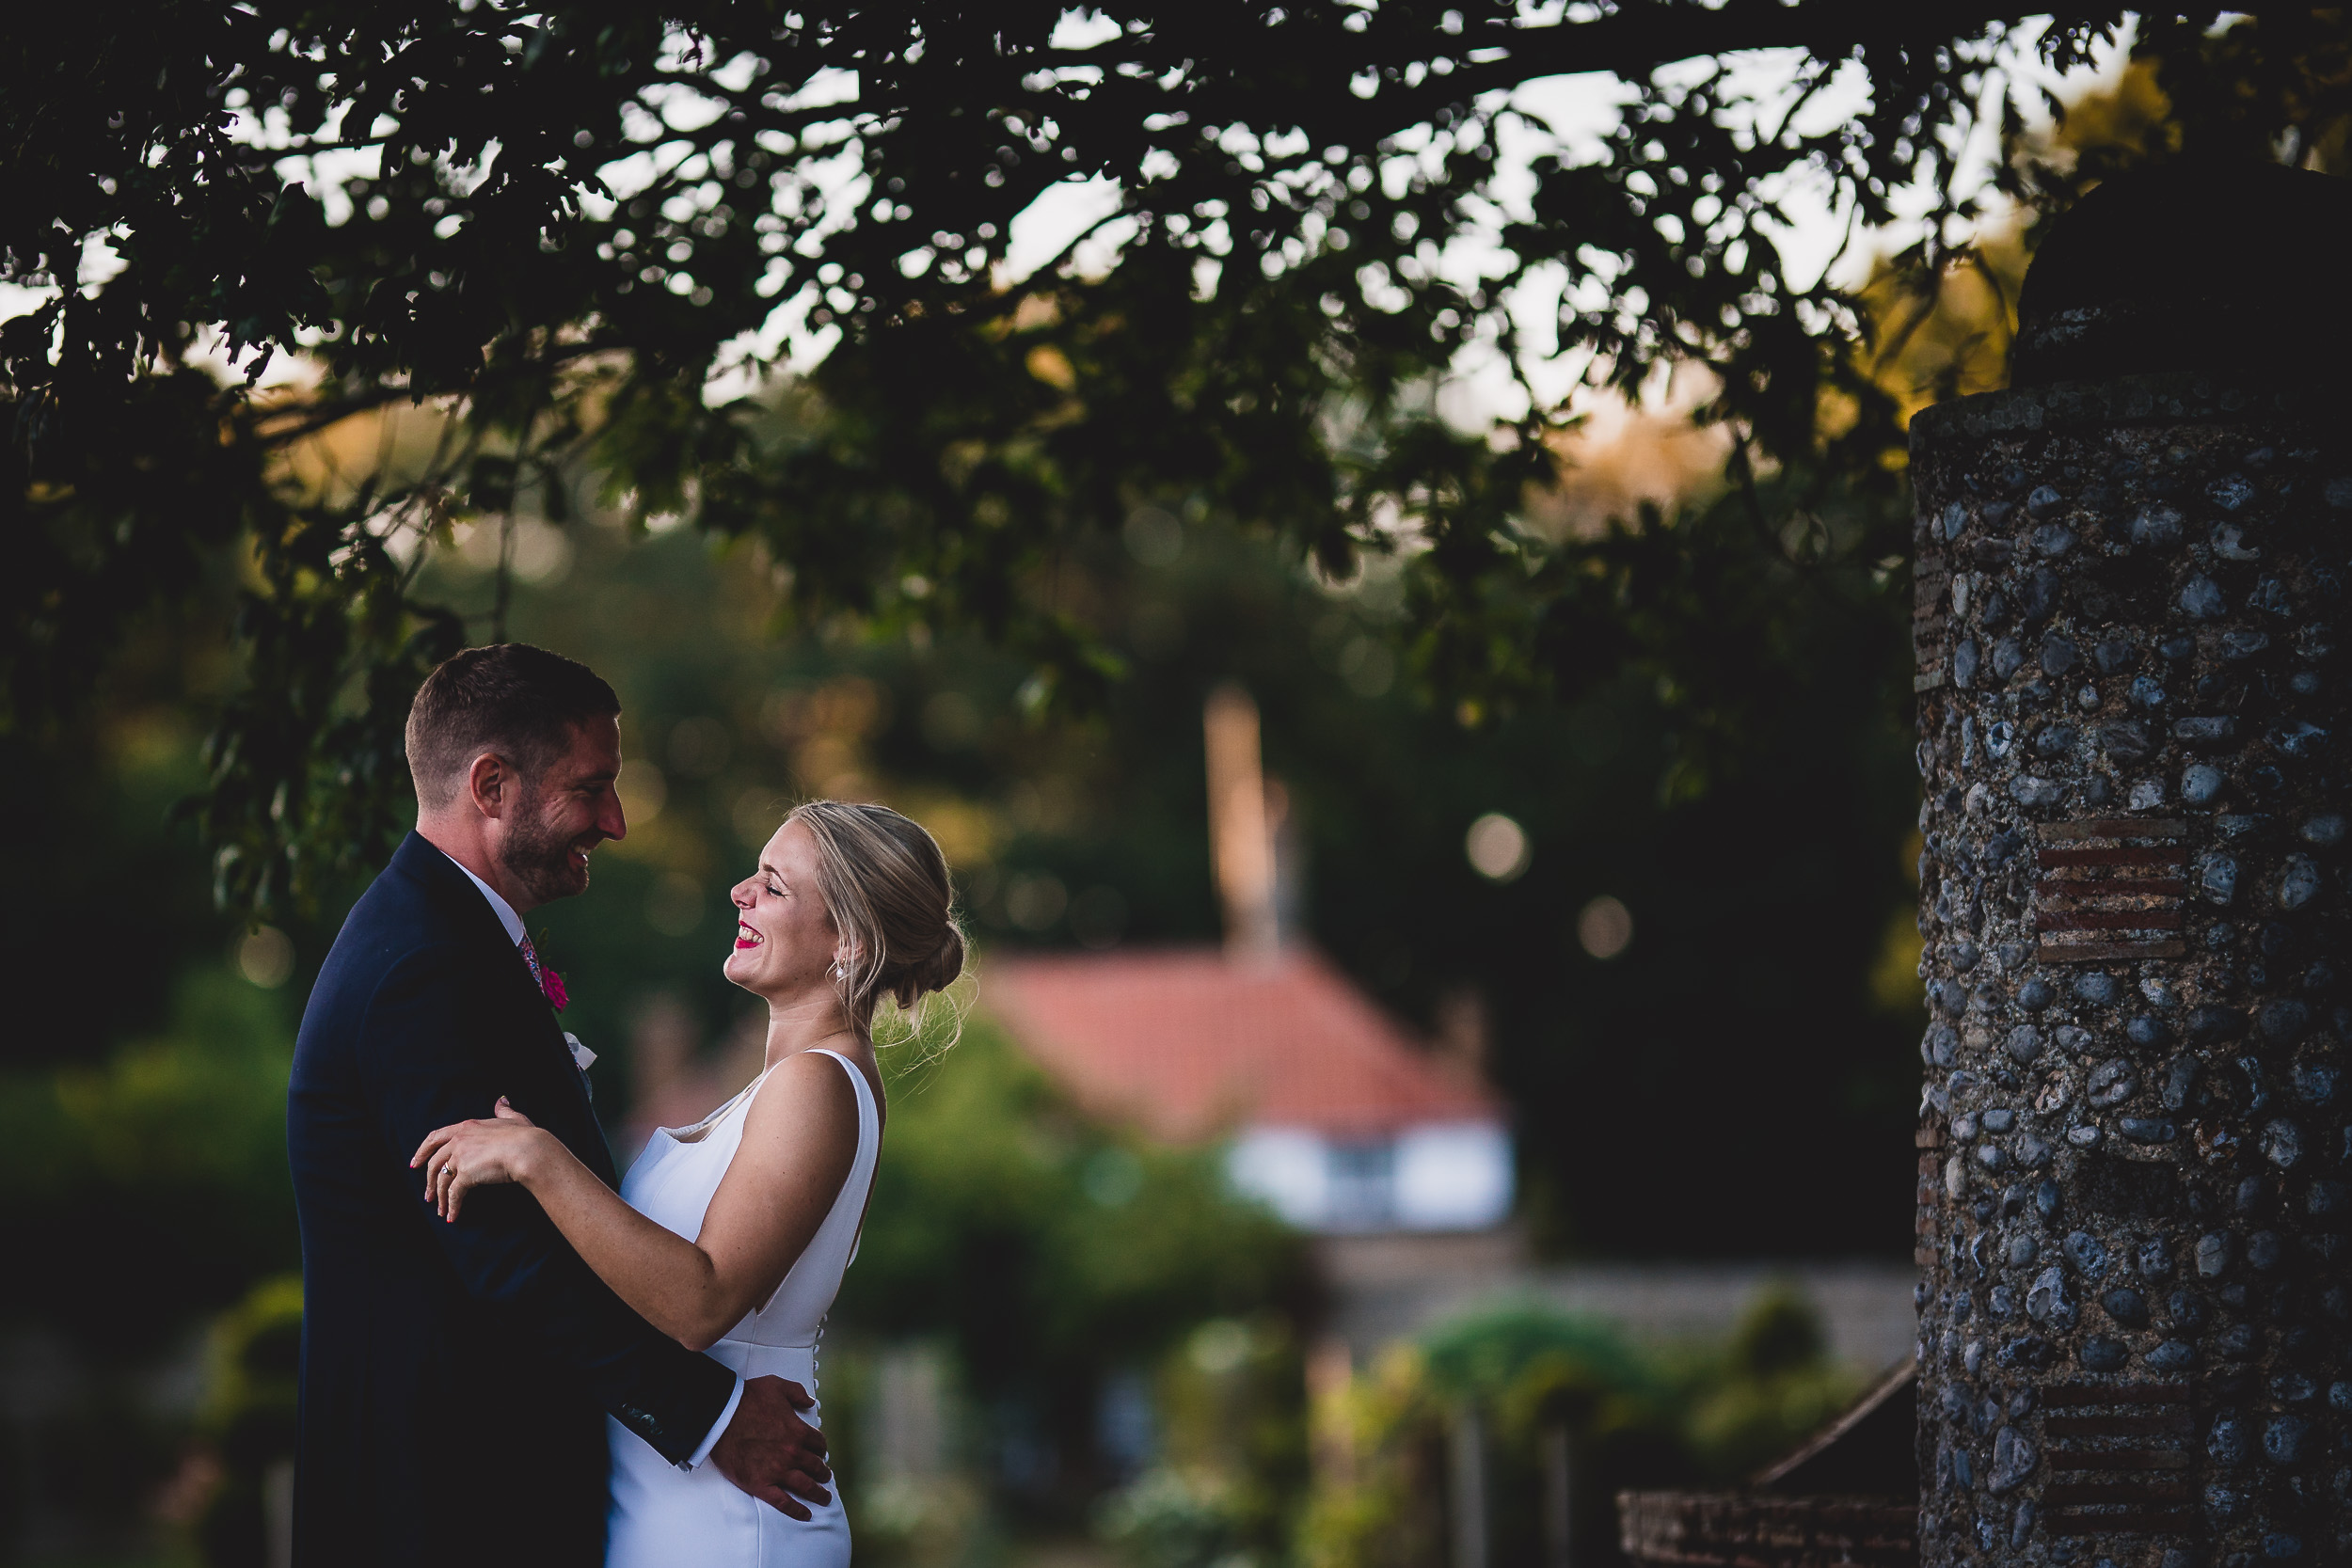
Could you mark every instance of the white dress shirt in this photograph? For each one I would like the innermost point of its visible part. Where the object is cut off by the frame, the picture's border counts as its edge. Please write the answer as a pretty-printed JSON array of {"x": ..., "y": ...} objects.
[{"x": 513, "y": 923}]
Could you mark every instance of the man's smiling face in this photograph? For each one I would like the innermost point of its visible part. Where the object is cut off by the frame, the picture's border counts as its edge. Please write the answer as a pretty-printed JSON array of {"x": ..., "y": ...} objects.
[{"x": 564, "y": 812}]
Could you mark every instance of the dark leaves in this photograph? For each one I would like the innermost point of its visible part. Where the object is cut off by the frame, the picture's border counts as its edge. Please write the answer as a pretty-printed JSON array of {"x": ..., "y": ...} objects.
[{"x": 573, "y": 218}]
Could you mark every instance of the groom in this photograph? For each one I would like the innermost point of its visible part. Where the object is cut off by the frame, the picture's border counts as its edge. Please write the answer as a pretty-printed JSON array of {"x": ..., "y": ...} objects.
[{"x": 455, "y": 1377}]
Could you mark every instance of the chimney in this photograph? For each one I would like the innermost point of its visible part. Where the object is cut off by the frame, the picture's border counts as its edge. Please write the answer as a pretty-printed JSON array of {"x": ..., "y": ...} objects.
[
  {"x": 1462, "y": 1032},
  {"x": 1241, "y": 839}
]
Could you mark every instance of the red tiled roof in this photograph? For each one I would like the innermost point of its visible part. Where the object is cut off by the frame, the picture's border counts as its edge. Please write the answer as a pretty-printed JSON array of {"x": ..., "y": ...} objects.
[{"x": 1187, "y": 1043}]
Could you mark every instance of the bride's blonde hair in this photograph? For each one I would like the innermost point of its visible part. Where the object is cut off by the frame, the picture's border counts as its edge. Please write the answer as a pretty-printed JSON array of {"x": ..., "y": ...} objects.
[{"x": 886, "y": 884}]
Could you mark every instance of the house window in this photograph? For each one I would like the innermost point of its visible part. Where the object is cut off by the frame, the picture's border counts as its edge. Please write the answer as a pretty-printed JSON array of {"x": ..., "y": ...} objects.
[
  {"x": 1452, "y": 1176},
  {"x": 1363, "y": 1184}
]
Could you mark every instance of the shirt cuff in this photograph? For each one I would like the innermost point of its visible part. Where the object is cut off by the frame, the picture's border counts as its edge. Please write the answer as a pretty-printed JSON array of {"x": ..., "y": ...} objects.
[{"x": 710, "y": 1439}]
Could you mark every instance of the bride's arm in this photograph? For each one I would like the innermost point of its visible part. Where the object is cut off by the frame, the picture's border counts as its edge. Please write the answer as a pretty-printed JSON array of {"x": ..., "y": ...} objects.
[{"x": 800, "y": 1138}]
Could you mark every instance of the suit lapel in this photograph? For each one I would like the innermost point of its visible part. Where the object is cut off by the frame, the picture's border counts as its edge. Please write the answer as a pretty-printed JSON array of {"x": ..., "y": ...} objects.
[{"x": 477, "y": 922}]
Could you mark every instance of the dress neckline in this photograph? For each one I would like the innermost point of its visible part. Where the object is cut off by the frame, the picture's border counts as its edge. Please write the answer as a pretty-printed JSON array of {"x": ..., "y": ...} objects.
[{"x": 695, "y": 1132}]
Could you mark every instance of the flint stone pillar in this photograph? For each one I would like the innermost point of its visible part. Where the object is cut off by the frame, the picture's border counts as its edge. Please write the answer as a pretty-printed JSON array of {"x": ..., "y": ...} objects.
[{"x": 2133, "y": 710}]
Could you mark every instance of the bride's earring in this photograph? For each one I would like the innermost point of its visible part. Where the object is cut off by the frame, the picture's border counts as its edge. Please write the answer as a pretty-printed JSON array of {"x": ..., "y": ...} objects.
[{"x": 839, "y": 973}]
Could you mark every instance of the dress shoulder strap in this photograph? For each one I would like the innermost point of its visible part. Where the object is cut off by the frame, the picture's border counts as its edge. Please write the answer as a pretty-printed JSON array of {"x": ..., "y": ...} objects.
[
  {"x": 865, "y": 1109},
  {"x": 858, "y": 1191}
]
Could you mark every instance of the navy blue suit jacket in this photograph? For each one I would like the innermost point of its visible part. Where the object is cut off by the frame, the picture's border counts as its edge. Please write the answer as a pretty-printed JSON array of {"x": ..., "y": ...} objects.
[{"x": 455, "y": 1377}]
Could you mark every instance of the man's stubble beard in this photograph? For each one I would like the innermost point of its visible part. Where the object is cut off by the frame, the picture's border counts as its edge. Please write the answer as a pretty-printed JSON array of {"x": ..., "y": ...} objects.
[{"x": 540, "y": 859}]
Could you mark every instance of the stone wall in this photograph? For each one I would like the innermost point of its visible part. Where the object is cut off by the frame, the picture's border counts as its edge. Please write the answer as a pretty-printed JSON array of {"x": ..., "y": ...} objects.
[{"x": 2133, "y": 1308}]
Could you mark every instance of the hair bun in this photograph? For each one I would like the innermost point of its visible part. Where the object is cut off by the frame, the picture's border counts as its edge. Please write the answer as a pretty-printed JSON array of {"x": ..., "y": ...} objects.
[
  {"x": 939, "y": 972},
  {"x": 917, "y": 977}
]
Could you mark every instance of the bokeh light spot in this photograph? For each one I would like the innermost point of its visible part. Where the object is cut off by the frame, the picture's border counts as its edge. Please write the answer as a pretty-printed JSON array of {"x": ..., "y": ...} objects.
[
  {"x": 1498, "y": 847},
  {"x": 1605, "y": 928},
  {"x": 266, "y": 958}
]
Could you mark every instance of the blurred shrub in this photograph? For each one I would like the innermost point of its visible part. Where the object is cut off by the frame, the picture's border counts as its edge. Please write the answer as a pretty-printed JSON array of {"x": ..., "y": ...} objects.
[
  {"x": 1500, "y": 1354},
  {"x": 1532, "y": 1375},
  {"x": 1780, "y": 1334},
  {"x": 248, "y": 1425},
  {"x": 1379, "y": 1464},
  {"x": 1231, "y": 1437},
  {"x": 938, "y": 1522},
  {"x": 174, "y": 1150},
  {"x": 1621, "y": 1415},
  {"x": 920, "y": 1509},
  {"x": 1770, "y": 1389},
  {"x": 1172, "y": 1518}
]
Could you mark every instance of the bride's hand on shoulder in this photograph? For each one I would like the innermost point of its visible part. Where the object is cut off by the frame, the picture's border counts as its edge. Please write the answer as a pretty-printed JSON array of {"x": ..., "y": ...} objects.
[{"x": 504, "y": 1147}]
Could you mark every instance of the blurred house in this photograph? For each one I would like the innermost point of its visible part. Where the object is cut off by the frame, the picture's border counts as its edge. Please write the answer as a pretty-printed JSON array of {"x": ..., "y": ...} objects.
[
  {"x": 1334, "y": 1116},
  {"x": 1341, "y": 1121}
]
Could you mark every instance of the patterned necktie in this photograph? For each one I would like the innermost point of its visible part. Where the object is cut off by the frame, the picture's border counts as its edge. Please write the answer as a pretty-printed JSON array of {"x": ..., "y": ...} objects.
[
  {"x": 550, "y": 983},
  {"x": 531, "y": 956}
]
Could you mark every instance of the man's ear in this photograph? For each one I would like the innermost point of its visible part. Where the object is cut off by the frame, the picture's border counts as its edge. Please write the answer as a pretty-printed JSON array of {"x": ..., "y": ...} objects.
[{"x": 490, "y": 784}]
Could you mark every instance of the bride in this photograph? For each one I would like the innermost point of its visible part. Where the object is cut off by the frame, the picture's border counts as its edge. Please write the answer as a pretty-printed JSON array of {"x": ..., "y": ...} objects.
[{"x": 731, "y": 1235}]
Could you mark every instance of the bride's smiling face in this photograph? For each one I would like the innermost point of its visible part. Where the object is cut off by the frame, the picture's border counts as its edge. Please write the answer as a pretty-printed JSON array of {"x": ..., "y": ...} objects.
[{"x": 785, "y": 942}]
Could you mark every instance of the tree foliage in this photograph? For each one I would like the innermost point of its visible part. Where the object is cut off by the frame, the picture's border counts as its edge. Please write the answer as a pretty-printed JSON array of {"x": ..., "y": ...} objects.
[{"x": 568, "y": 225}]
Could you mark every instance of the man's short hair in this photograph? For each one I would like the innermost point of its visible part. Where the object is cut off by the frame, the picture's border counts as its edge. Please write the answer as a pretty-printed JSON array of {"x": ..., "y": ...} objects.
[{"x": 519, "y": 702}]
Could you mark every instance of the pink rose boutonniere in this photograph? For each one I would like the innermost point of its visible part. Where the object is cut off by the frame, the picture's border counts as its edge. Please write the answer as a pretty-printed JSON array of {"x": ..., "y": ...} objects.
[{"x": 552, "y": 983}]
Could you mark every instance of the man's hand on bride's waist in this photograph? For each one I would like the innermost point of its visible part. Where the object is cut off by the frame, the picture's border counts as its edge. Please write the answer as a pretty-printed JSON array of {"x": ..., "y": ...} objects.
[{"x": 772, "y": 1454}]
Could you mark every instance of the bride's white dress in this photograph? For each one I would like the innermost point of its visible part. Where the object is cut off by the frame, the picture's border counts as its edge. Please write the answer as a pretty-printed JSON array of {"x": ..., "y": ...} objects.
[{"x": 662, "y": 1516}]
